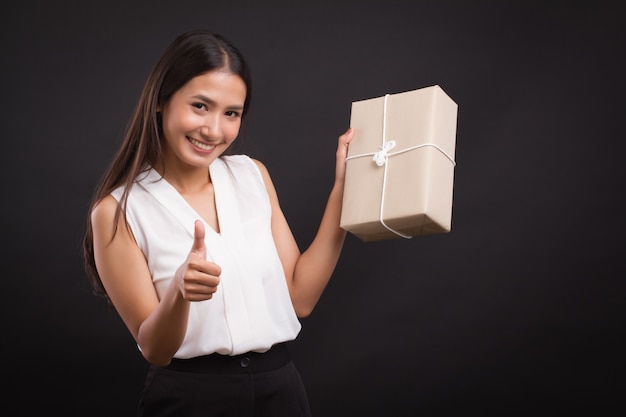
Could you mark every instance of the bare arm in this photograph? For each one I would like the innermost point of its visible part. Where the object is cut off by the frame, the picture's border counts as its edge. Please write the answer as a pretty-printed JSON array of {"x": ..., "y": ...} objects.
[
  {"x": 158, "y": 326},
  {"x": 308, "y": 273}
]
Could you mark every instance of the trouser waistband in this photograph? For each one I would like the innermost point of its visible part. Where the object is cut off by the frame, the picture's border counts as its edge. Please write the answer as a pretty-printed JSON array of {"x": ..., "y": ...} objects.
[{"x": 249, "y": 362}]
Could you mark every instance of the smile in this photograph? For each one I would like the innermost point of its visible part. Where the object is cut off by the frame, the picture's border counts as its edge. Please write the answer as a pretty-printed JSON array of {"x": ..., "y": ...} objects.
[{"x": 200, "y": 145}]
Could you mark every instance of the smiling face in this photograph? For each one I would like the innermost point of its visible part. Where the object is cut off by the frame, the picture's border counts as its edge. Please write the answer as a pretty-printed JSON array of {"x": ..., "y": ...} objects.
[{"x": 202, "y": 118}]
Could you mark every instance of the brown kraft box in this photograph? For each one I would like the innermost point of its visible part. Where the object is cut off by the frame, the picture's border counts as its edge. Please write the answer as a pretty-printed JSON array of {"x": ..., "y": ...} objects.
[{"x": 400, "y": 165}]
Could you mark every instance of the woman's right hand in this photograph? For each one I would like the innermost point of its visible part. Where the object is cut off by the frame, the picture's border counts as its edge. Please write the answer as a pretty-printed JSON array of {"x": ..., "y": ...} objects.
[{"x": 198, "y": 278}]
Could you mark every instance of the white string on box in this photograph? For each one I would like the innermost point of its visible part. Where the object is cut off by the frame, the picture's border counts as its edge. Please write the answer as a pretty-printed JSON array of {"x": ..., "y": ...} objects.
[{"x": 380, "y": 158}]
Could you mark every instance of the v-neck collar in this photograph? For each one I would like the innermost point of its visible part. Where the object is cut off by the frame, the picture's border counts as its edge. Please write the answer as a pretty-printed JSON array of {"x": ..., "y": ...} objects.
[{"x": 169, "y": 197}]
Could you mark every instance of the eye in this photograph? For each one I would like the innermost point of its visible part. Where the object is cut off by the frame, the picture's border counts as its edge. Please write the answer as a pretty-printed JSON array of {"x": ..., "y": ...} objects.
[
  {"x": 232, "y": 113},
  {"x": 200, "y": 105}
]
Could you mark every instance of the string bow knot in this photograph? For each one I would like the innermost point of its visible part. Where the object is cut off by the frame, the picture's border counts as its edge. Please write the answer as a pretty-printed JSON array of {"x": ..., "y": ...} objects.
[{"x": 381, "y": 156}]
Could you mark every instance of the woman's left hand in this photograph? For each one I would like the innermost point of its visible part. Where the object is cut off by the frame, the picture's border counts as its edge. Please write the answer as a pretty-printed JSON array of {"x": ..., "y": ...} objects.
[{"x": 342, "y": 154}]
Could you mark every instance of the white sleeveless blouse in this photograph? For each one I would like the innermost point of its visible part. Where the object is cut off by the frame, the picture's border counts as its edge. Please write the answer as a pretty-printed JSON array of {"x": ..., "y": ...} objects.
[{"x": 251, "y": 309}]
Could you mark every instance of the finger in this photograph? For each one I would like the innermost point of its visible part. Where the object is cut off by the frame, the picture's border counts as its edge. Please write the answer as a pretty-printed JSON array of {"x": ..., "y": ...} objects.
[
  {"x": 198, "y": 239},
  {"x": 342, "y": 154},
  {"x": 200, "y": 289},
  {"x": 347, "y": 136},
  {"x": 344, "y": 140}
]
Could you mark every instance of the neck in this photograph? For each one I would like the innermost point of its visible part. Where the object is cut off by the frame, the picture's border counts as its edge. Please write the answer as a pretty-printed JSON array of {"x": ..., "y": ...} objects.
[{"x": 186, "y": 179}]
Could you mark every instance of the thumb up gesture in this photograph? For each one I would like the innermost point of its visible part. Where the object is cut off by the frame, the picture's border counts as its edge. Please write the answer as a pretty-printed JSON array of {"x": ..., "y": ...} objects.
[{"x": 198, "y": 278}]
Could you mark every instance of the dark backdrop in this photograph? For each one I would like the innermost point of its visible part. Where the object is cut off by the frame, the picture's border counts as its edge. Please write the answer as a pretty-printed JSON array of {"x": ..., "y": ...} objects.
[{"x": 517, "y": 311}]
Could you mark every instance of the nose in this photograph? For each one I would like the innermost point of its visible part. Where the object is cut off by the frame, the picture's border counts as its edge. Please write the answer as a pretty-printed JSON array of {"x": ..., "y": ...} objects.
[{"x": 212, "y": 126}]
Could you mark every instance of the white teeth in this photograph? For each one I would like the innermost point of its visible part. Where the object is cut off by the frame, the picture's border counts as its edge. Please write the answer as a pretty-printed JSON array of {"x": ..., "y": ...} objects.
[{"x": 200, "y": 144}]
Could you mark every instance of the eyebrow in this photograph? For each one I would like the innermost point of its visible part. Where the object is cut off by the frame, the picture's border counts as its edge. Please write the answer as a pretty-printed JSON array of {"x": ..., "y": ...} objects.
[{"x": 209, "y": 101}]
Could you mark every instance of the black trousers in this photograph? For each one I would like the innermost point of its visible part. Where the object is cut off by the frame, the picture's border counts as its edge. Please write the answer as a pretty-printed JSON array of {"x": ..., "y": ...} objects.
[{"x": 248, "y": 385}]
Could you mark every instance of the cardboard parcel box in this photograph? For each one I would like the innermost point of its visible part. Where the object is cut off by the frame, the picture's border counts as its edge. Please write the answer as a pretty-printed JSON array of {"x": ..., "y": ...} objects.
[{"x": 400, "y": 165}]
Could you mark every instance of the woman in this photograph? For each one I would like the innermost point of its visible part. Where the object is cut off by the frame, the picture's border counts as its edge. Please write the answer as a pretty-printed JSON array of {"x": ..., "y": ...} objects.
[{"x": 191, "y": 248}]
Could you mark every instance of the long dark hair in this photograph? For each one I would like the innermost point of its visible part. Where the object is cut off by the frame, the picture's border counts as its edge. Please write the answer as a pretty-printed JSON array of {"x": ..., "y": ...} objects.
[{"x": 189, "y": 55}]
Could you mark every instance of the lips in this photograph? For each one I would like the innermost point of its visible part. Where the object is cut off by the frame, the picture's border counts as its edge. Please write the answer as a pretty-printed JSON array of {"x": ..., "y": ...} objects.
[{"x": 200, "y": 145}]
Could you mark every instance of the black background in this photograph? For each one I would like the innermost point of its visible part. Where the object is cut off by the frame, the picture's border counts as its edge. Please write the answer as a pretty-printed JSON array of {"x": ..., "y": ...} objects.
[{"x": 517, "y": 311}]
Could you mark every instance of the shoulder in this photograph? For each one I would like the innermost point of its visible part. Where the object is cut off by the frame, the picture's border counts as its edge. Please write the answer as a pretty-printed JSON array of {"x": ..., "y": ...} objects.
[
  {"x": 103, "y": 216},
  {"x": 253, "y": 165},
  {"x": 238, "y": 162},
  {"x": 265, "y": 176},
  {"x": 235, "y": 160},
  {"x": 262, "y": 170},
  {"x": 105, "y": 209},
  {"x": 261, "y": 167}
]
